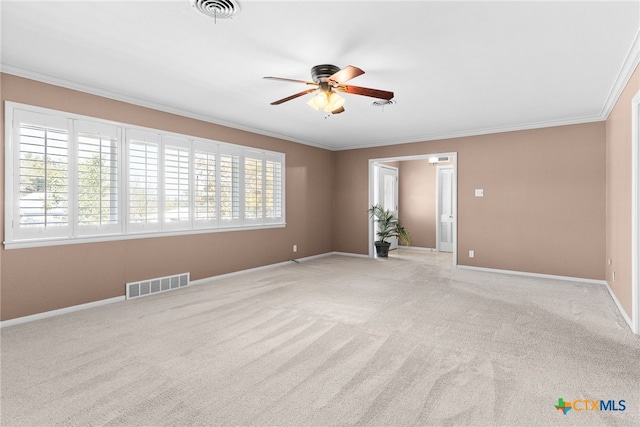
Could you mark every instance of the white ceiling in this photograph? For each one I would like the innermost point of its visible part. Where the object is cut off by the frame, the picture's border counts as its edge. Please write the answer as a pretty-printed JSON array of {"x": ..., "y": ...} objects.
[{"x": 457, "y": 68}]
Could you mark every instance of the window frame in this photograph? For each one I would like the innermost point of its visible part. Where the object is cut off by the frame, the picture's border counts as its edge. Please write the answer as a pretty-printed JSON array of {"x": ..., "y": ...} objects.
[{"x": 74, "y": 232}]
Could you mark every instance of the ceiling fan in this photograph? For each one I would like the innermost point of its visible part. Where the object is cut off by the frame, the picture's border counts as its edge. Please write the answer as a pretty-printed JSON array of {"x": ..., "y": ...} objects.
[{"x": 327, "y": 81}]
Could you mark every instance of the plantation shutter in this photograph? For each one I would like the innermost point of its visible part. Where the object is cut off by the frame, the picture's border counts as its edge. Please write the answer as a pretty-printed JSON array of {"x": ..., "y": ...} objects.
[
  {"x": 42, "y": 182},
  {"x": 143, "y": 173},
  {"x": 274, "y": 183},
  {"x": 72, "y": 178},
  {"x": 253, "y": 187},
  {"x": 177, "y": 195},
  {"x": 229, "y": 185},
  {"x": 98, "y": 194},
  {"x": 205, "y": 193}
]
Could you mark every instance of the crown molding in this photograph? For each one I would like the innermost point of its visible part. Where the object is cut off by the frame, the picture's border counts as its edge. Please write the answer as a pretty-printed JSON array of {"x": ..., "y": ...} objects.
[
  {"x": 631, "y": 62},
  {"x": 477, "y": 132},
  {"x": 118, "y": 96},
  {"x": 624, "y": 75}
]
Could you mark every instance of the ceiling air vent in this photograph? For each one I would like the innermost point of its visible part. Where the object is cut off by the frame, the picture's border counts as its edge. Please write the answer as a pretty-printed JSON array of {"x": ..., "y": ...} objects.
[{"x": 217, "y": 9}]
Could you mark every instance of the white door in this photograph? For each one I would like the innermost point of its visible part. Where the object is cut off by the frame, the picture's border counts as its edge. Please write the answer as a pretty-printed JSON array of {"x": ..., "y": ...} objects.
[
  {"x": 445, "y": 209},
  {"x": 388, "y": 194}
]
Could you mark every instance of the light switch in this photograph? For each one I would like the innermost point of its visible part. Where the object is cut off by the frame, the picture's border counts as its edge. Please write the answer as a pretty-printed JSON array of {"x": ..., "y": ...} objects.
[{"x": 479, "y": 192}]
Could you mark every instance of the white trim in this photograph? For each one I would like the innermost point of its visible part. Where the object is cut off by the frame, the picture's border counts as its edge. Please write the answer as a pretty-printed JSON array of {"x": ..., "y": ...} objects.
[
  {"x": 454, "y": 160},
  {"x": 238, "y": 273},
  {"x": 125, "y": 228},
  {"x": 350, "y": 254},
  {"x": 473, "y": 132},
  {"x": 564, "y": 278},
  {"x": 619, "y": 306},
  {"x": 632, "y": 59},
  {"x": 418, "y": 248},
  {"x": 635, "y": 214},
  {"x": 270, "y": 266},
  {"x": 537, "y": 275},
  {"x": 256, "y": 269},
  {"x": 132, "y": 236},
  {"x": 44, "y": 78},
  {"x": 261, "y": 268},
  {"x": 60, "y": 311},
  {"x": 312, "y": 257},
  {"x": 72, "y": 309}
]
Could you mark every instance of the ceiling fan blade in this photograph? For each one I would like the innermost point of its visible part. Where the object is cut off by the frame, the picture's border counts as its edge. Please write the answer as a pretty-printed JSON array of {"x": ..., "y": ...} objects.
[
  {"x": 290, "y": 80},
  {"x": 347, "y": 73},
  {"x": 338, "y": 110},
  {"x": 365, "y": 91},
  {"x": 297, "y": 95}
]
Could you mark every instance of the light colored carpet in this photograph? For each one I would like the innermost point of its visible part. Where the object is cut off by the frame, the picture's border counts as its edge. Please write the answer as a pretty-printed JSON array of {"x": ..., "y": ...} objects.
[{"x": 332, "y": 341}]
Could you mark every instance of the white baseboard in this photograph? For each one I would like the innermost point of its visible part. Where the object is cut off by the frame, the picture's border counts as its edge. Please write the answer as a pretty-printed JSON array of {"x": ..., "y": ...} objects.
[
  {"x": 66, "y": 310},
  {"x": 418, "y": 248},
  {"x": 60, "y": 311},
  {"x": 255, "y": 269},
  {"x": 624, "y": 314},
  {"x": 542, "y": 276},
  {"x": 349, "y": 254}
]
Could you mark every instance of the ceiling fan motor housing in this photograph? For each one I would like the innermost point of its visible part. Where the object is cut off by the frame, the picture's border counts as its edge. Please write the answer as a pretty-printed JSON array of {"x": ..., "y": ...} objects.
[{"x": 320, "y": 73}]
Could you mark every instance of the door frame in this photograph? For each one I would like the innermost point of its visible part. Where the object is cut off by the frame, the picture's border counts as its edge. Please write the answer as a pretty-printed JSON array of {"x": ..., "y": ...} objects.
[
  {"x": 454, "y": 160},
  {"x": 635, "y": 214},
  {"x": 378, "y": 185}
]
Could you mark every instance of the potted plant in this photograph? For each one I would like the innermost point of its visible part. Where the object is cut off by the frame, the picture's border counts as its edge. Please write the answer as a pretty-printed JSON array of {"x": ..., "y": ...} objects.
[{"x": 388, "y": 226}]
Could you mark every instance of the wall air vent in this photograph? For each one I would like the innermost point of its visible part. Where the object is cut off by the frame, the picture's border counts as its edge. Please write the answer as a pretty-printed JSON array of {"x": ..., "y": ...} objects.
[
  {"x": 217, "y": 9},
  {"x": 159, "y": 284}
]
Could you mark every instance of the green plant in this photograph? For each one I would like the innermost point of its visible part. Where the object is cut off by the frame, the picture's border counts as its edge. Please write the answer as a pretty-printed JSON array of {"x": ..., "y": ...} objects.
[{"x": 388, "y": 225}]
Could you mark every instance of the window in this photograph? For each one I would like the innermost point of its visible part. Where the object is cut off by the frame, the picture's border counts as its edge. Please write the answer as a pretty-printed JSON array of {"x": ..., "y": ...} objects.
[
  {"x": 229, "y": 188},
  {"x": 253, "y": 190},
  {"x": 273, "y": 190},
  {"x": 177, "y": 196},
  {"x": 205, "y": 190},
  {"x": 42, "y": 160},
  {"x": 97, "y": 178},
  {"x": 72, "y": 178},
  {"x": 143, "y": 173}
]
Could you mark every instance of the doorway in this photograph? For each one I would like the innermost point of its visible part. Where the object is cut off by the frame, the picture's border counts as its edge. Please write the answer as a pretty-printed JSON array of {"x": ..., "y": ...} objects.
[
  {"x": 386, "y": 194},
  {"x": 450, "y": 235},
  {"x": 445, "y": 217}
]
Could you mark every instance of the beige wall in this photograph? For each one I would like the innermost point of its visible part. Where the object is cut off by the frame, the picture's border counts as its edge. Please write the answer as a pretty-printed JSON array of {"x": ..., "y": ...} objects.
[
  {"x": 543, "y": 209},
  {"x": 417, "y": 201},
  {"x": 618, "y": 185},
  {"x": 48, "y": 278}
]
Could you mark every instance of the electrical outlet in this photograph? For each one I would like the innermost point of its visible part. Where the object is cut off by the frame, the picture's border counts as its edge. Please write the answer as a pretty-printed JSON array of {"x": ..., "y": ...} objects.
[
  {"x": 479, "y": 192},
  {"x": 472, "y": 254},
  {"x": 295, "y": 248},
  {"x": 614, "y": 276}
]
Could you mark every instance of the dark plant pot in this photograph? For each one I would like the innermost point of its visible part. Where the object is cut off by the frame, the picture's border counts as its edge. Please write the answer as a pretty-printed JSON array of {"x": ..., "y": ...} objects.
[{"x": 382, "y": 249}]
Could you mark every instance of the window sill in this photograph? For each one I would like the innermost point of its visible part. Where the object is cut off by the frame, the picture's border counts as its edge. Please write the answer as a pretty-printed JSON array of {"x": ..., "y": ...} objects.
[{"x": 38, "y": 243}]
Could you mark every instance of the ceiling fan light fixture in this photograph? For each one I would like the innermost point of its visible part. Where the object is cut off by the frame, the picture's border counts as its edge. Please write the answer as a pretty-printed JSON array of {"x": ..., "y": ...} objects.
[
  {"x": 335, "y": 103},
  {"x": 328, "y": 80},
  {"x": 319, "y": 100}
]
